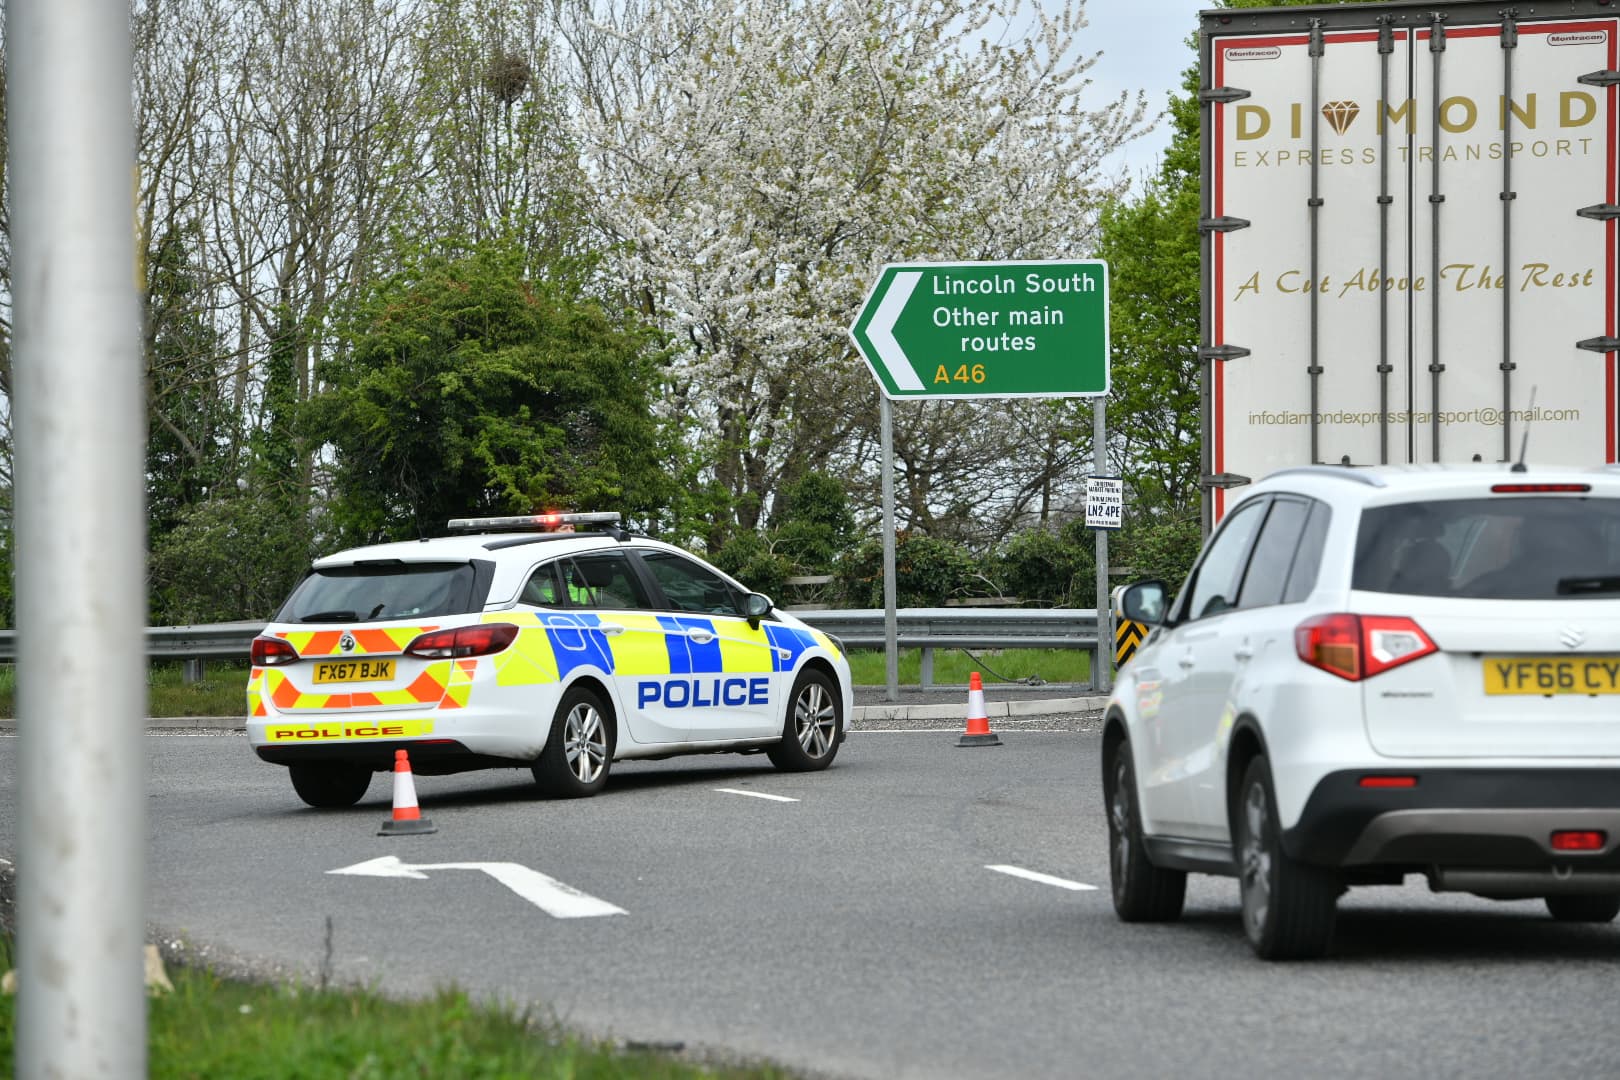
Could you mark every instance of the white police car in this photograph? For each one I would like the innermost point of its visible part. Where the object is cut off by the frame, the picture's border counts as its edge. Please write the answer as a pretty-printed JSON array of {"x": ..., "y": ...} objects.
[{"x": 559, "y": 651}]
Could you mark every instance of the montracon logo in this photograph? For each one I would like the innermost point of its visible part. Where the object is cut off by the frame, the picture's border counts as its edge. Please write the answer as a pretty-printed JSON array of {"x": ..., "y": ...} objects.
[
  {"x": 1581, "y": 37},
  {"x": 1254, "y": 53}
]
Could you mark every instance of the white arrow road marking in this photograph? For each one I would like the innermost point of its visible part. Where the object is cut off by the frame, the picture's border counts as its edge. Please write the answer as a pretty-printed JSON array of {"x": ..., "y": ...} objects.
[
  {"x": 548, "y": 894},
  {"x": 1044, "y": 879},
  {"x": 754, "y": 794},
  {"x": 881, "y": 330}
]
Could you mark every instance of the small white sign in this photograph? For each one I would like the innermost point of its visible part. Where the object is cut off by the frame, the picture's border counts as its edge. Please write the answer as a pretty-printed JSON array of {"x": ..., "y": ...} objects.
[{"x": 1105, "y": 502}]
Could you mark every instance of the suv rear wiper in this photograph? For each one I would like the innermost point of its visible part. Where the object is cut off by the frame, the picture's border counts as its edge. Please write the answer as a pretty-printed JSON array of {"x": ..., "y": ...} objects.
[
  {"x": 331, "y": 616},
  {"x": 1577, "y": 586}
]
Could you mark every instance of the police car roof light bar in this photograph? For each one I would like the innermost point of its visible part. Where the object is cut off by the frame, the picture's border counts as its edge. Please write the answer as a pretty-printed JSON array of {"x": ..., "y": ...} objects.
[{"x": 535, "y": 521}]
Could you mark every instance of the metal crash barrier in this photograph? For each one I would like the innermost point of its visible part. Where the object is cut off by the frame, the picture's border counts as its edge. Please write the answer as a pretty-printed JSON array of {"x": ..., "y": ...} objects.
[{"x": 917, "y": 628}]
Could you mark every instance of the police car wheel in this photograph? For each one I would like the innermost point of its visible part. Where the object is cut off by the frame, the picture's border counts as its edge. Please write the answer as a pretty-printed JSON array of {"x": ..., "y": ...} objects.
[
  {"x": 579, "y": 750},
  {"x": 810, "y": 731},
  {"x": 330, "y": 786}
]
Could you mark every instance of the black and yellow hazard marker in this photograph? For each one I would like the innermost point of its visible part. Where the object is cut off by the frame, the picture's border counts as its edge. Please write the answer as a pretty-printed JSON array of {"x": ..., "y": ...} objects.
[{"x": 1127, "y": 636}]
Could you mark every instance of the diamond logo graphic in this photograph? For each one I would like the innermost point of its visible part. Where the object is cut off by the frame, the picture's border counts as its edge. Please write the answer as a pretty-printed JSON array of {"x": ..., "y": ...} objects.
[{"x": 1339, "y": 114}]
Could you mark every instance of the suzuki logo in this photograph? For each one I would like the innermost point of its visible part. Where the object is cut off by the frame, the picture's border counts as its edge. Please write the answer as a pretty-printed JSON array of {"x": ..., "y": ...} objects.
[
  {"x": 1572, "y": 637},
  {"x": 346, "y": 642}
]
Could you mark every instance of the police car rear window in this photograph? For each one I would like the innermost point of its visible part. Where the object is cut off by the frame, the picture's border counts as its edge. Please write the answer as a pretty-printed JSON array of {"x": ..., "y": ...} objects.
[
  {"x": 372, "y": 592},
  {"x": 1501, "y": 548}
]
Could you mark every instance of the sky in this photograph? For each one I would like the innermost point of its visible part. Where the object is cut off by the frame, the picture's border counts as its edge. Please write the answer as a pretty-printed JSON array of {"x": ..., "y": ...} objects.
[{"x": 1144, "y": 47}]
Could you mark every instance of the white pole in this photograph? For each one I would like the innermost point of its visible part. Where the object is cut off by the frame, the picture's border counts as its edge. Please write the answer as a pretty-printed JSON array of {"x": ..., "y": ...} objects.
[
  {"x": 891, "y": 632},
  {"x": 1103, "y": 677},
  {"x": 78, "y": 408}
]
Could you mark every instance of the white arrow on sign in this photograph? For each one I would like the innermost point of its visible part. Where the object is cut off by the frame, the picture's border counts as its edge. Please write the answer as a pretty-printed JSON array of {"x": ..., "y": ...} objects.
[
  {"x": 881, "y": 330},
  {"x": 548, "y": 894}
]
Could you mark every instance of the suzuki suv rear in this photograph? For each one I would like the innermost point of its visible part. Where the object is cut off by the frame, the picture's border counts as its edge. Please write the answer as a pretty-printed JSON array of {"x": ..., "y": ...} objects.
[{"x": 1372, "y": 673}]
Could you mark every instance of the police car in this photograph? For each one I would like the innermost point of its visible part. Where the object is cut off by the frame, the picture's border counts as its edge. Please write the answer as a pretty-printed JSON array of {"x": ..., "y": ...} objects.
[{"x": 522, "y": 643}]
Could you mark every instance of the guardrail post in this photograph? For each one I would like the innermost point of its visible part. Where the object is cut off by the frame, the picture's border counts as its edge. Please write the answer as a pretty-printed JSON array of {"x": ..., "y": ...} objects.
[
  {"x": 927, "y": 676},
  {"x": 192, "y": 671}
]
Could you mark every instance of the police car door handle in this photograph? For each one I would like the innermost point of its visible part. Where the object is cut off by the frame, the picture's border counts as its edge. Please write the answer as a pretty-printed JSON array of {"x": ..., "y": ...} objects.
[
  {"x": 1187, "y": 660},
  {"x": 699, "y": 635},
  {"x": 610, "y": 628},
  {"x": 1243, "y": 652}
]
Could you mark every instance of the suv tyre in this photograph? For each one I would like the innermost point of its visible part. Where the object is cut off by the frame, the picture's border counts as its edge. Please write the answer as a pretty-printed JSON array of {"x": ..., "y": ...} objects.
[
  {"x": 1142, "y": 892},
  {"x": 1288, "y": 906}
]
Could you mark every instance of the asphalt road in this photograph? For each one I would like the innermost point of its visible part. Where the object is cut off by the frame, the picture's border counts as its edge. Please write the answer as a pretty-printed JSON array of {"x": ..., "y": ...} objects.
[{"x": 856, "y": 932}]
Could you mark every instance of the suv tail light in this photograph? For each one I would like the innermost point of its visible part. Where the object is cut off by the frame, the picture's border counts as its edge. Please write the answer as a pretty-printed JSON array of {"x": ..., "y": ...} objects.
[
  {"x": 478, "y": 640},
  {"x": 1357, "y": 647},
  {"x": 271, "y": 651}
]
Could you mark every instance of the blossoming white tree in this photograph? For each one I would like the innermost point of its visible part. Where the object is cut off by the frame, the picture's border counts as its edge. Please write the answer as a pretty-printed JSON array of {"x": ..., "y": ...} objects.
[{"x": 759, "y": 161}]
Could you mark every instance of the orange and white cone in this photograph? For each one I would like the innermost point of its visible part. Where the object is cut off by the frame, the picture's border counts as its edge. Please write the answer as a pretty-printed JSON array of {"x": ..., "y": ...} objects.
[
  {"x": 978, "y": 731},
  {"x": 407, "y": 815}
]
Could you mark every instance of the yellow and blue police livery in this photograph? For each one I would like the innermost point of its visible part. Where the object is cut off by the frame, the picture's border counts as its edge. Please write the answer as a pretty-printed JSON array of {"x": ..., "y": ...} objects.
[{"x": 515, "y": 644}]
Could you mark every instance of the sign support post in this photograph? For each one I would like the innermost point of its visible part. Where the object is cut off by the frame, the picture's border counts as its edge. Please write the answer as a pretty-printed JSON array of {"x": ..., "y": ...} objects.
[{"x": 891, "y": 620}]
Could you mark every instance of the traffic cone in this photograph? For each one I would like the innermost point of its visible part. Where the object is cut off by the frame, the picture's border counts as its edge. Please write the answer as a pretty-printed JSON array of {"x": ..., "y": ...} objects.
[
  {"x": 407, "y": 815},
  {"x": 978, "y": 731}
]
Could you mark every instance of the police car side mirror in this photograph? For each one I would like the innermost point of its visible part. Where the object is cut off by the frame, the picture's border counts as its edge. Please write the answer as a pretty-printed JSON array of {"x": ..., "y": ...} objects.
[{"x": 756, "y": 606}]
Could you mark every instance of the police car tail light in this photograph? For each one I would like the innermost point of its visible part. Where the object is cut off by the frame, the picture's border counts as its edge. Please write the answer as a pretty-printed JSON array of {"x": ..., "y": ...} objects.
[
  {"x": 271, "y": 651},
  {"x": 1357, "y": 647},
  {"x": 461, "y": 641}
]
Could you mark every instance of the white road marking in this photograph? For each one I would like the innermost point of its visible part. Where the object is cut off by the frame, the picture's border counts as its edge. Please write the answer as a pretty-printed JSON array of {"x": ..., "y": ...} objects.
[
  {"x": 1044, "y": 879},
  {"x": 555, "y": 898},
  {"x": 754, "y": 794}
]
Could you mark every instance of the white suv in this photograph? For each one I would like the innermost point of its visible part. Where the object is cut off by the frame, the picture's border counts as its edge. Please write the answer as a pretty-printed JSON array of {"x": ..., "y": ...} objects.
[
  {"x": 558, "y": 651},
  {"x": 1372, "y": 673}
]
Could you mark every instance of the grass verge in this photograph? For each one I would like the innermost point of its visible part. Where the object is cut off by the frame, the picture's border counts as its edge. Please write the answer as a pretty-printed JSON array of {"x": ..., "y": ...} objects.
[
  {"x": 993, "y": 665},
  {"x": 215, "y": 1027}
]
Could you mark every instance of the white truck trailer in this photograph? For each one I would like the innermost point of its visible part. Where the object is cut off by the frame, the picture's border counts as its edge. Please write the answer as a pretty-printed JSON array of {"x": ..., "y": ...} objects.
[{"x": 1409, "y": 238}]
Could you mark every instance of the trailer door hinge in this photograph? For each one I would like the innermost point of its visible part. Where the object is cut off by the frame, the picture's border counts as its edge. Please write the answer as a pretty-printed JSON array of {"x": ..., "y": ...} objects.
[
  {"x": 1221, "y": 95},
  {"x": 1599, "y": 212},
  {"x": 1221, "y": 352},
  {"x": 1222, "y": 224},
  {"x": 1599, "y": 344},
  {"x": 1600, "y": 78}
]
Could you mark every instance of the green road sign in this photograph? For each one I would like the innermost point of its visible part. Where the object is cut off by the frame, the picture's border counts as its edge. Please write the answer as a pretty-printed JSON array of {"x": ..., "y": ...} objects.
[{"x": 987, "y": 329}]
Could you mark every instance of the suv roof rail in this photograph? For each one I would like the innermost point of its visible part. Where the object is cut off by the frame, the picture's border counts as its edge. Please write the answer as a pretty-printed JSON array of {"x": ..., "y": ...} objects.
[{"x": 1340, "y": 472}]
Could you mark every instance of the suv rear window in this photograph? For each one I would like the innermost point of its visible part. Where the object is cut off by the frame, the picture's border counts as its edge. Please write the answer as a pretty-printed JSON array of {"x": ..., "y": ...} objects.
[
  {"x": 1503, "y": 548},
  {"x": 379, "y": 592}
]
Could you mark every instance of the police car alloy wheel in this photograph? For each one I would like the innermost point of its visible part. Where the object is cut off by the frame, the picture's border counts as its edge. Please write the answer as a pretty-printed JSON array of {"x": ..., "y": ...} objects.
[
  {"x": 810, "y": 733},
  {"x": 579, "y": 751}
]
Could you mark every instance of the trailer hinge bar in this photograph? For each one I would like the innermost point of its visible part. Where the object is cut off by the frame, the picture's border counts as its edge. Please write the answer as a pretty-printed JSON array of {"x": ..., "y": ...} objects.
[
  {"x": 1222, "y": 224},
  {"x": 1599, "y": 344},
  {"x": 1600, "y": 78},
  {"x": 1510, "y": 29},
  {"x": 1437, "y": 33},
  {"x": 1221, "y": 352},
  {"x": 1599, "y": 212},
  {"x": 1317, "y": 46},
  {"x": 1220, "y": 95},
  {"x": 1386, "y": 34},
  {"x": 1223, "y": 480}
]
